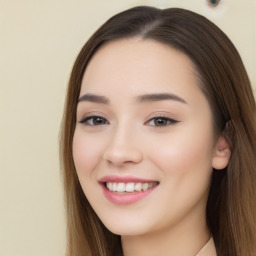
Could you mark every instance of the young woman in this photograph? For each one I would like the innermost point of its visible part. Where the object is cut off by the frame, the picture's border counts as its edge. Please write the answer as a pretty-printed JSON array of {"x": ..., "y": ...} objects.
[{"x": 158, "y": 140}]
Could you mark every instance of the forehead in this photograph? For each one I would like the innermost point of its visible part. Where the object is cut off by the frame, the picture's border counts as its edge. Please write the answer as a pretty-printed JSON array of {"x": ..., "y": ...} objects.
[{"x": 138, "y": 66}]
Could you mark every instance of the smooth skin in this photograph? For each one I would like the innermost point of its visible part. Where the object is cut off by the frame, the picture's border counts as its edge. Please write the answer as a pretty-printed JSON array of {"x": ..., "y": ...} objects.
[{"x": 170, "y": 140}]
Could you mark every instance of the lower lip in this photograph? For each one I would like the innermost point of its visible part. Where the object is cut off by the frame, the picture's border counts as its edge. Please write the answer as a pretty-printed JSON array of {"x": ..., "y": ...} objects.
[{"x": 127, "y": 198}]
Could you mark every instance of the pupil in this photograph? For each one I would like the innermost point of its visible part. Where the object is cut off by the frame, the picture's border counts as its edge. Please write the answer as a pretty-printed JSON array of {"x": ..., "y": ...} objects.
[
  {"x": 98, "y": 120},
  {"x": 160, "y": 121}
]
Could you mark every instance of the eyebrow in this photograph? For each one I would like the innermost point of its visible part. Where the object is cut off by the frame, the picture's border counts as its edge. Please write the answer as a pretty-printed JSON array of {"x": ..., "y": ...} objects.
[
  {"x": 159, "y": 97},
  {"x": 94, "y": 98},
  {"x": 146, "y": 98}
]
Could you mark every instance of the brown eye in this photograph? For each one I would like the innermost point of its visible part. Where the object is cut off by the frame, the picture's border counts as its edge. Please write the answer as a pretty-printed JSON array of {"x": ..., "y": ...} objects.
[
  {"x": 161, "y": 121},
  {"x": 94, "y": 120},
  {"x": 98, "y": 120}
]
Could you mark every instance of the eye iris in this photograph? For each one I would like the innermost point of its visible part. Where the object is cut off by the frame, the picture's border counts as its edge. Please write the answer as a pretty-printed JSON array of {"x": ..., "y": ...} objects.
[
  {"x": 98, "y": 121},
  {"x": 160, "y": 121}
]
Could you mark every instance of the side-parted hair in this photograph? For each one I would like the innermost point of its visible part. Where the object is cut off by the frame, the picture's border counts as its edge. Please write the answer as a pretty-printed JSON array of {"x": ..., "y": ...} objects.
[{"x": 231, "y": 206}]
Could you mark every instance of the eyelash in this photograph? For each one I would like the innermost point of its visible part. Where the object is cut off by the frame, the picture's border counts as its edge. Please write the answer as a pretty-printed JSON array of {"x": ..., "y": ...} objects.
[
  {"x": 167, "y": 121},
  {"x": 89, "y": 120}
]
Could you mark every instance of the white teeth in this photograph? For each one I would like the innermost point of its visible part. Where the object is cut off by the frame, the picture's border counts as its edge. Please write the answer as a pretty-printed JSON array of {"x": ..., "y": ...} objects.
[
  {"x": 129, "y": 187},
  {"x": 120, "y": 187},
  {"x": 138, "y": 187},
  {"x": 110, "y": 186},
  {"x": 145, "y": 186},
  {"x": 114, "y": 187}
]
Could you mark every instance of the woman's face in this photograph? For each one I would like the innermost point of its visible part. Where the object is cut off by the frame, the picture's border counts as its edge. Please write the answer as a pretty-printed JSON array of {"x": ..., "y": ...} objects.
[{"x": 144, "y": 142}]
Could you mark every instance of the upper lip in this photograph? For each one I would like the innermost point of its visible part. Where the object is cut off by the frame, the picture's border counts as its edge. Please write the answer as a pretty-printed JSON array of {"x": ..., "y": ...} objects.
[{"x": 125, "y": 179}]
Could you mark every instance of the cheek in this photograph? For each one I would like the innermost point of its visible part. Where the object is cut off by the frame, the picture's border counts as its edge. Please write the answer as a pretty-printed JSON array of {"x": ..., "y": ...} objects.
[
  {"x": 187, "y": 152},
  {"x": 86, "y": 153},
  {"x": 185, "y": 164}
]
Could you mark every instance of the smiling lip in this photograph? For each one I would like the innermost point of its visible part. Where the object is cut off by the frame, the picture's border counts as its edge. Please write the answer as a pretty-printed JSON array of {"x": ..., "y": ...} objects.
[
  {"x": 125, "y": 179},
  {"x": 125, "y": 198}
]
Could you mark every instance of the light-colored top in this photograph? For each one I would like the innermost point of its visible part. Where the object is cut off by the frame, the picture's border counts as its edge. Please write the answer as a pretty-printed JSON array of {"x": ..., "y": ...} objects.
[{"x": 208, "y": 249}]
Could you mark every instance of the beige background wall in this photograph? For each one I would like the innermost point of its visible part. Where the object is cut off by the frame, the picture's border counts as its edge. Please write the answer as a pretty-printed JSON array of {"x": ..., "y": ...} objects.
[{"x": 38, "y": 43}]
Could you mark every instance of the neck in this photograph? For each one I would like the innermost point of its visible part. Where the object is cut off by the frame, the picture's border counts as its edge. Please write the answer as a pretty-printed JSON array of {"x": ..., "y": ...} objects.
[{"x": 186, "y": 238}]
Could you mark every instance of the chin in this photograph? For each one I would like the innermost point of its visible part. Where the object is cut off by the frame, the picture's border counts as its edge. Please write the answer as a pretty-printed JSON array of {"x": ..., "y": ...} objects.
[
  {"x": 124, "y": 228},
  {"x": 126, "y": 231}
]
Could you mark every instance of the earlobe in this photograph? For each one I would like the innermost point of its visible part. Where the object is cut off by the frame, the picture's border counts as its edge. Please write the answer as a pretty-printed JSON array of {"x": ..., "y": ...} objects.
[{"x": 221, "y": 154}]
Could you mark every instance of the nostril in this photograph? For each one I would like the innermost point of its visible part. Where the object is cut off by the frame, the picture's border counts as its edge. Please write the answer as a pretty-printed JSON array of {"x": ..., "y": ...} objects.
[{"x": 124, "y": 155}]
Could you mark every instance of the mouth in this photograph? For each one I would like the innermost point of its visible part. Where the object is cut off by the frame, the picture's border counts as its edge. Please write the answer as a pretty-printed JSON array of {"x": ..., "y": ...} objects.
[
  {"x": 129, "y": 187},
  {"x": 126, "y": 190}
]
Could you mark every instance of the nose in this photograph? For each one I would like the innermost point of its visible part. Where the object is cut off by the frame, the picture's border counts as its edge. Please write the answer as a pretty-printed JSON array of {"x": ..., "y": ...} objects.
[{"x": 123, "y": 148}]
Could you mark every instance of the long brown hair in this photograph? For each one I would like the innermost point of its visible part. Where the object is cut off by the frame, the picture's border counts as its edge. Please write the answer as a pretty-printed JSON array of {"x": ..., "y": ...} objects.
[{"x": 231, "y": 207}]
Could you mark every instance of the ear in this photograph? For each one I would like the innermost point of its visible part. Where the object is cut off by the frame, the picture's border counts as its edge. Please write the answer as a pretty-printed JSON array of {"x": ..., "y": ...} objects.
[{"x": 221, "y": 154}]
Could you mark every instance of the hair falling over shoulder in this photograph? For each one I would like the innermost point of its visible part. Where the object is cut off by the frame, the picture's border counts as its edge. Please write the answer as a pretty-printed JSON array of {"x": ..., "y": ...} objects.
[{"x": 231, "y": 207}]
